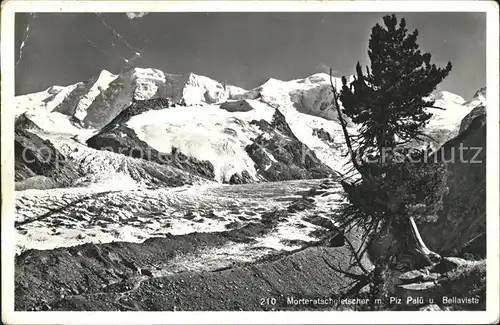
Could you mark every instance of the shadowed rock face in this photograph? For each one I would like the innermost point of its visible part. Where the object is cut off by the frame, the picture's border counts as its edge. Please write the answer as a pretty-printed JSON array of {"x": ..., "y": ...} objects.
[
  {"x": 279, "y": 155},
  {"x": 464, "y": 216},
  {"x": 244, "y": 178},
  {"x": 38, "y": 164},
  {"x": 117, "y": 137},
  {"x": 23, "y": 122},
  {"x": 236, "y": 106},
  {"x": 477, "y": 111}
]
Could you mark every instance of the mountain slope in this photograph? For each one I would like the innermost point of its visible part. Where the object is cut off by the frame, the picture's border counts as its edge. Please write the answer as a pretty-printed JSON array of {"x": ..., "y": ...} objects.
[
  {"x": 479, "y": 104},
  {"x": 224, "y": 145},
  {"x": 49, "y": 160},
  {"x": 118, "y": 138},
  {"x": 279, "y": 155},
  {"x": 38, "y": 164},
  {"x": 464, "y": 217}
]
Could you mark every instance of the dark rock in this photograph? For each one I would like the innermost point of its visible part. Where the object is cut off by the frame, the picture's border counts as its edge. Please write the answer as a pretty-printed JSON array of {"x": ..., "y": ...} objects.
[
  {"x": 306, "y": 273},
  {"x": 70, "y": 101},
  {"x": 291, "y": 159},
  {"x": 212, "y": 215},
  {"x": 301, "y": 205},
  {"x": 337, "y": 241},
  {"x": 448, "y": 264},
  {"x": 244, "y": 178},
  {"x": 190, "y": 215},
  {"x": 467, "y": 120},
  {"x": 295, "y": 242},
  {"x": 320, "y": 233},
  {"x": 38, "y": 164},
  {"x": 419, "y": 290},
  {"x": 411, "y": 276},
  {"x": 417, "y": 276},
  {"x": 474, "y": 248},
  {"x": 321, "y": 221},
  {"x": 241, "y": 105}
]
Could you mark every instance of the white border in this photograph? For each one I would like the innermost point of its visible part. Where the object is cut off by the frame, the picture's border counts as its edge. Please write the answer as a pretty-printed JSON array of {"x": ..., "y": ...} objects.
[{"x": 7, "y": 91}]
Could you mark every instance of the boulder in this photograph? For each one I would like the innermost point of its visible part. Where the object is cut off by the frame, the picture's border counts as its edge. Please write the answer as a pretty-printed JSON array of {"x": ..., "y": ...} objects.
[
  {"x": 301, "y": 205},
  {"x": 272, "y": 218},
  {"x": 432, "y": 307},
  {"x": 321, "y": 221},
  {"x": 336, "y": 241},
  {"x": 418, "y": 292},
  {"x": 447, "y": 264},
  {"x": 417, "y": 276},
  {"x": 38, "y": 164},
  {"x": 241, "y": 105}
]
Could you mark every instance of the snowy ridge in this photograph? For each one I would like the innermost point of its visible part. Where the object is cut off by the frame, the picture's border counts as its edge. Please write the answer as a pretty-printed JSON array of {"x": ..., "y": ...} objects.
[
  {"x": 446, "y": 119},
  {"x": 40, "y": 102},
  {"x": 312, "y": 95},
  {"x": 96, "y": 104},
  {"x": 478, "y": 99},
  {"x": 102, "y": 83},
  {"x": 445, "y": 97}
]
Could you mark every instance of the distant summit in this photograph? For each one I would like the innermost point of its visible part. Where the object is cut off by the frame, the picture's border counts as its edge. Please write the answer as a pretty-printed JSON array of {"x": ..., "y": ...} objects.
[{"x": 96, "y": 101}]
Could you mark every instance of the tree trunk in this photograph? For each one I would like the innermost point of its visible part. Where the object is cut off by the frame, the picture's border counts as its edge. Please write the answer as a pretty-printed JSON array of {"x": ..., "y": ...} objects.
[{"x": 411, "y": 251}]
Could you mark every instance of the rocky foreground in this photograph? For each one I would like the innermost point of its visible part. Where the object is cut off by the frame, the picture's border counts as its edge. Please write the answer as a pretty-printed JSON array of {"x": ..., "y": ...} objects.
[{"x": 236, "y": 269}]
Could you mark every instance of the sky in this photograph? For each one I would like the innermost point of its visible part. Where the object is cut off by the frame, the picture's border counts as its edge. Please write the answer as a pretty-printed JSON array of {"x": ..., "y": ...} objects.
[{"x": 243, "y": 49}]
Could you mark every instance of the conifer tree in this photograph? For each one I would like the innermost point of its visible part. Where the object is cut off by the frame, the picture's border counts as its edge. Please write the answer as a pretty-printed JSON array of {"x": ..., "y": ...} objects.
[
  {"x": 389, "y": 100},
  {"x": 388, "y": 103}
]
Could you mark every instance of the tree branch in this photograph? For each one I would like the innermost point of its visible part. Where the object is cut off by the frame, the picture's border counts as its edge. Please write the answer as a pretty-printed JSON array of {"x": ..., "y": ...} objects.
[{"x": 343, "y": 124}]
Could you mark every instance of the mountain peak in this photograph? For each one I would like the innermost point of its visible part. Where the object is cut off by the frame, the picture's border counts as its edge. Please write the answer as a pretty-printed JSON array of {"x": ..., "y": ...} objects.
[
  {"x": 446, "y": 96},
  {"x": 480, "y": 94}
]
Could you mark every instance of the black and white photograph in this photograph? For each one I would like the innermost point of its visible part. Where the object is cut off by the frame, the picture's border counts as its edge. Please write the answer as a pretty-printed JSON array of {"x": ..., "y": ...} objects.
[{"x": 316, "y": 160}]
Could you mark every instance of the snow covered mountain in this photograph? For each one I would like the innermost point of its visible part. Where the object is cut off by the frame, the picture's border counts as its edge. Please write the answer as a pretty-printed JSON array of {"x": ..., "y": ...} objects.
[
  {"x": 449, "y": 114},
  {"x": 280, "y": 130},
  {"x": 96, "y": 101},
  {"x": 478, "y": 103}
]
